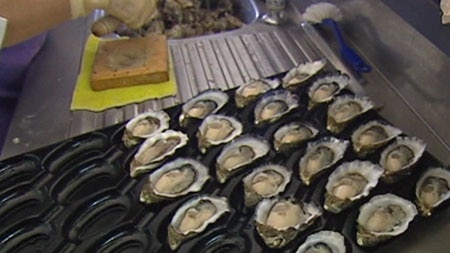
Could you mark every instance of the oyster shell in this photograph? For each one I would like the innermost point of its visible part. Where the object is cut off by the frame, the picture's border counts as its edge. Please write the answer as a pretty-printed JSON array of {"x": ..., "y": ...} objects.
[
  {"x": 217, "y": 129},
  {"x": 274, "y": 105},
  {"x": 398, "y": 158},
  {"x": 349, "y": 182},
  {"x": 193, "y": 217},
  {"x": 205, "y": 103},
  {"x": 323, "y": 242},
  {"x": 144, "y": 126},
  {"x": 278, "y": 221},
  {"x": 432, "y": 188},
  {"x": 177, "y": 178},
  {"x": 344, "y": 109},
  {"x": 371, "y": 136},
  {"x": 250, "y": 91},
  {"x": 292, "y": 135},
  {"x": 383, "y": 217},
  {"x": 265, "y": 182},
  {"x": 302, "y": 73},
  {"x": 240, "y": 152},
  {"x": 155, "y": 149},
  {"x": 324, "y": 89},
  {"x": 321, "y": 155}
]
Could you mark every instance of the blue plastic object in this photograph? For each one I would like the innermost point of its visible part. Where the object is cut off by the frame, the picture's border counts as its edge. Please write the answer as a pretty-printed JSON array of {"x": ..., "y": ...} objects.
[{"x": 348, "y": 54}]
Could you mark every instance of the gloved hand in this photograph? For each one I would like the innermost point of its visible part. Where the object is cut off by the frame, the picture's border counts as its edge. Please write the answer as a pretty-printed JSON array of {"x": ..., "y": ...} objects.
[
  {"x": 133, "y": 13},
  {"x": 445, "y": 8}
]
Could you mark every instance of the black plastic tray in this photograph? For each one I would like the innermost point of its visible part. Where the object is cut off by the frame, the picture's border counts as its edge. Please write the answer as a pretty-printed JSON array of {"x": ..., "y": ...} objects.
[{"x": 77, "y": 196}]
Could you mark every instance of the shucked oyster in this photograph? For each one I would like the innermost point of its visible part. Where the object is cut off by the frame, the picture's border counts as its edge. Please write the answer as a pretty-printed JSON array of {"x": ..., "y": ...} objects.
[
  {"x": 323, "y": 242},
  {"x": 371, "y": 136},
  {"x": 174, "y": 179},
  {"x": 217, "y": 129},
  {"x": 398, "y": 158},
  {"x": 320, "y": 156},
  {"x": 249, "y": 91},
  {"x": 324, "y": 89},
  {"x": 265, "y": 182},
  {"x": 432, "y": 188},
  {"x": 155, "y": 149},
  {"x": 302, "y": 73},
  {"x": 383, "y": 217},
  {"x": 349, "y": 182},
  {"x": 193, "y": 217},
  {"x": 292, "y": 135},
  {"x": 278, "y": 221},
  {"x": 274, "y": 105},
  {"x": 144, "y": 126},
  {"x": 202, "y": 105},
  {"x": 344, "y": 109},
  {"x": 238, "y": 153}
]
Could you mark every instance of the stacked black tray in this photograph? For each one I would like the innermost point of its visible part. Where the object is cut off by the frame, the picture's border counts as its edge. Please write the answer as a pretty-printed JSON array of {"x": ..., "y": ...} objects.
[{"x": 77, "y": 196}]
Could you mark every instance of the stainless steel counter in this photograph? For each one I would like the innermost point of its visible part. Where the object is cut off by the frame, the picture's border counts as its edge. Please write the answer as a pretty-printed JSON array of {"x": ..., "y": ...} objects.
[{"x": 409, "y": 78}]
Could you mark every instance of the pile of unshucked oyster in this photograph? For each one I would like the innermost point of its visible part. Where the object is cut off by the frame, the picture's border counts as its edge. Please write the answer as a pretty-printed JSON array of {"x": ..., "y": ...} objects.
[
  {"x": 187, "y": 18},
  {"x": 279, "y": 219}
]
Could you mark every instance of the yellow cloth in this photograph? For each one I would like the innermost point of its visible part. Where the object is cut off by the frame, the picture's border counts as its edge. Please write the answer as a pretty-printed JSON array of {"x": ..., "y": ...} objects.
[{"x": 84, "y": 98}]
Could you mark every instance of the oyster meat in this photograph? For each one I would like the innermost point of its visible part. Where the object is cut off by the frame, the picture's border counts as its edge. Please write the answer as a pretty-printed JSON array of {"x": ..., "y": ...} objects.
[
  {"x": 265, "y": 182},
  {"x": 193, "y": 217},
  {"x": 155, "y": 150},
  {"x": 250, "y": 91},
  {"x": 293, "y": 135},
  {"x": 324, "y": 89},
  {"x": 278, "y": 221},
  {"x": 432, "y": 188},
  {"x": 240, "y": 152},
  {"x": 344, "y": 109},
  {"x": 320, "y": 156},
  {"x": 177, "y": 178},
  {"x": 349, "y": 182},
  {"x": 302, "y": 73},
  {"x": 144, "y": 126},
  {"x": 323, "y": 242},
  {"x": 398, "y": 158},
  {"x": 206, "y": 103},
  {"x": 383, "y": 217},
  {"x": 274, "y": 105},
  {"x": 371, "y": 136},
  {"x": 217, "y": 129}
]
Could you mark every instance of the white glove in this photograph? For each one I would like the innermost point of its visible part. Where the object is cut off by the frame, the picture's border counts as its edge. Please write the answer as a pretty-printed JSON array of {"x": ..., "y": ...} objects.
[
  {"x": 134, "y": 13},
  {"x": 445, "y": 8}
]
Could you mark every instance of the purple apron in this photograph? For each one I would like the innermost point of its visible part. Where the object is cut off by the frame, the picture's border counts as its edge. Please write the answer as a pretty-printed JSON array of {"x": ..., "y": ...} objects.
[{"x": 14, "y": 62}]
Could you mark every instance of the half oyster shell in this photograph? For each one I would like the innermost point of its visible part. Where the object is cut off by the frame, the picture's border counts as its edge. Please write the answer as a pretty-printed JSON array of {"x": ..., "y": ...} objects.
[
  {"x": 293, "y": 135},
  {"x": 349, "y": 182},
  {"x": 302, "y": 73},
  {"x": 278, "y": 221},
  {"x": 371, "y": 136},
  {"x": 432, "y": 188},
  {"x": 398, "y": 158},
  {"x": 265, "y": 182},
  {"x": 240, "y": 152},
  {"x": 193, "y": 217},
  {"x": 383, "y": 217},
  {"x": 274, "y": 105},
  {"x": 323, "y": 242},
  {"x": 205, "y": 103},
  {"x": 144, "y": 126},
  {"x": 217, "y": 129},
  {"x": 176, "y": 178},
  {"x": 321, "y": 155},
  {"x": 250, "y": 91},
  {"x": 344, "y": 109},
  {"x": 155, "y": 150},
  {"x": 324, "y": 89}
]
